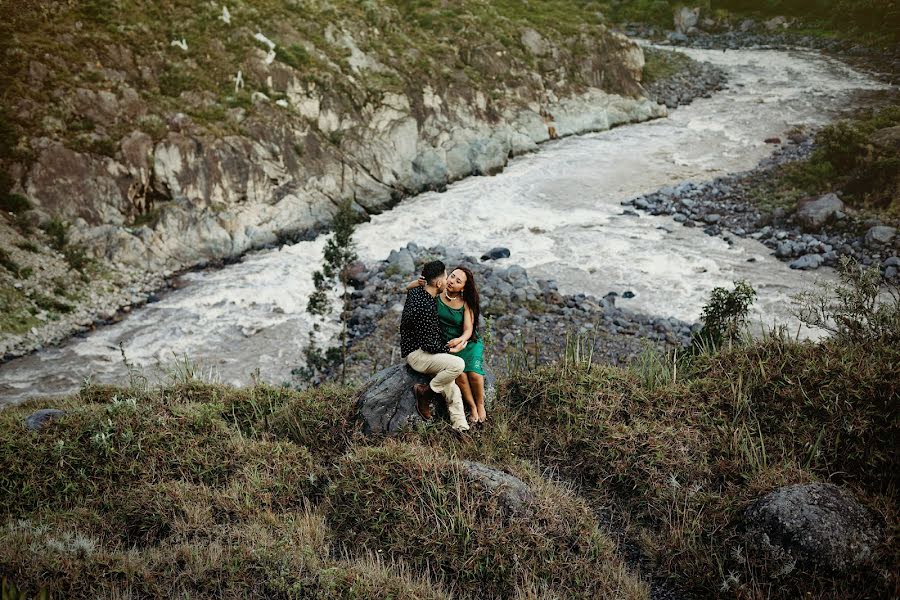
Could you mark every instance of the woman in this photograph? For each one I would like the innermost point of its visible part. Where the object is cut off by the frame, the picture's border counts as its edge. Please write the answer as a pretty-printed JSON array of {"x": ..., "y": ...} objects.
[{"x": 459, "y": 309}]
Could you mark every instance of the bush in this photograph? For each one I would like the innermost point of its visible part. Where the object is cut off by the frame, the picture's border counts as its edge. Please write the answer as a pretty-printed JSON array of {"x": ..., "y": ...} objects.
[
  {"x": 842, "y": 144},
  {"x": 860, "y": 309},
  {"x": 724, "y": 316},
  {"x": 14, "y": 203}
]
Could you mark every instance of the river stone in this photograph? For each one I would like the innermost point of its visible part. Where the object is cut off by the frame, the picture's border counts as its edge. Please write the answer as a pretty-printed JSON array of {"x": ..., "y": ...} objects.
[
  {"x": 881, "y": 234},
  {"x": 812, "y": 214},
  {"x": 403, "y": 261},
  {"x": 686, "y": 18},
  {"x": 808, "y": 262},
  {"x": 887, "y": 139},
  {"x": 387, "y": 402},
  {"x": 513, "y": 493},
  {"x": 818, "y": 524},
  {"x": 496, "y": 253},
  {"x": 38, "y": 419}
]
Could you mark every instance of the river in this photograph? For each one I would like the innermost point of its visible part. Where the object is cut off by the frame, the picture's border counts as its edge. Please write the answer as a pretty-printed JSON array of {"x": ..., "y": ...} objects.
[{"x": 558, "y": 210}]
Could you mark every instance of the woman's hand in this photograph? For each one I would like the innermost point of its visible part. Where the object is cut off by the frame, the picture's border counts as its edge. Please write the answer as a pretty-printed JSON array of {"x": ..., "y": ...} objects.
[{"x": 459, "y": 347}]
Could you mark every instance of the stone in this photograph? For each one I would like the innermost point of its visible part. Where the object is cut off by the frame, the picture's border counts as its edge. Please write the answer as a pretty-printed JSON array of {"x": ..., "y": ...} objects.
[
  {"x": 495, "y": 254},
  {"x": 813, "y": 214},
  {"x": 887, "y": 139},
  {"x": 881, "y": 234},
  {"x": 535, "y": 43},
  {"x": 808, "y": 262},
  {"x": 38, "y": 419},
  {"x": 747, "y": 24},
  {"x": 712, "y": 218},
  {"x": 774, "y": 23},
  {"x": 773, "y": 140},
  {"x": 403, "y": 261},
  {"x": 387, "y": 403},
  {"x": 514, "y": 494},
  {"x": 819, "y": 525},
  {"x": 357, "y": 274},
  {"x": 686, "y": 18},
  {"x": 628, "y": 294},
  {"x": 676, "y": 37}
]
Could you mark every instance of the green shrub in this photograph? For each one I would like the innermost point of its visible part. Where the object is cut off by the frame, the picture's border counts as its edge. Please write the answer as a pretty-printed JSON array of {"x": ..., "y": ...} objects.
[
  {"x": 842, "y": 144},
  {"x": 859, "y": 309},
  {"x": 724, "y": 316},
  {"x": 14, "y": 203}
]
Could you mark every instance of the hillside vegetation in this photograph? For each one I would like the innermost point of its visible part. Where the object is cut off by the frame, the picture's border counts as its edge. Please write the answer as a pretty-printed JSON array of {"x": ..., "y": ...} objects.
[{"x": 202, "y": 490}]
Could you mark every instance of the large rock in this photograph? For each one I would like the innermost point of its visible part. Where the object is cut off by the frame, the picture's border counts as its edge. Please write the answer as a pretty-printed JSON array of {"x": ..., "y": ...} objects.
[
  {"x": 818, "y": 525},
  {"x": 686, "y": 18},
  {"x": 514, "y": 494},
  {"x": 387, "y": 402},
  {"x": 880, "y": 234},
  {"x": 808, "y": 262},
  {"x": 813, "y": 214},
  {"x": 495, "y": 253},
  {"x": 403, "y": 261},
  {"x": 39, "y": 418},
  {"x": 887, "y": 139}
]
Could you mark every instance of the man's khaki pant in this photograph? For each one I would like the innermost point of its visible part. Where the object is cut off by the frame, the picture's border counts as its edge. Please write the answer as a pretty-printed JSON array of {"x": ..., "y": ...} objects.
[{"x": 445, "y": 368}]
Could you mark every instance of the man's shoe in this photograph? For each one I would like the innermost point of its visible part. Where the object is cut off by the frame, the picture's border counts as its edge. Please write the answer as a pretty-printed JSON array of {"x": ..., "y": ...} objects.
[
  {"x": 463, "y": 436},
  {"x": 423, "y": 393}
]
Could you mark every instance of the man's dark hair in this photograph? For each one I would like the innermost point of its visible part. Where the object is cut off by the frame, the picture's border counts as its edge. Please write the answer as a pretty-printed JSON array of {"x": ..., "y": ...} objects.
[{"x": 433, "y": 270}]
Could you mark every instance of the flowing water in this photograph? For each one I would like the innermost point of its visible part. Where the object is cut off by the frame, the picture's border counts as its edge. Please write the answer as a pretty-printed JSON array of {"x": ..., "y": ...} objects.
[{"x": 558, "y": 211}]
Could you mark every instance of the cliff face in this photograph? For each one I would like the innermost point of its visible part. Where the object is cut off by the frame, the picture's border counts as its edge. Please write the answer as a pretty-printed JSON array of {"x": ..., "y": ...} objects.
[{"x": 169, "y": 136}]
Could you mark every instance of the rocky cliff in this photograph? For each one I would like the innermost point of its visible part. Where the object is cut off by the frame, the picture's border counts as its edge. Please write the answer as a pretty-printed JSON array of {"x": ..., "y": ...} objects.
[{"x": 156, "y": 138}]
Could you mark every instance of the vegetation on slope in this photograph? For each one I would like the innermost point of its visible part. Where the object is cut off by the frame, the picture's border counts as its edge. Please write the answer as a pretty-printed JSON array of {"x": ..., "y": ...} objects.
[
  {"x": 205, "y": 490},
  {"x": 859, "y": 157}
]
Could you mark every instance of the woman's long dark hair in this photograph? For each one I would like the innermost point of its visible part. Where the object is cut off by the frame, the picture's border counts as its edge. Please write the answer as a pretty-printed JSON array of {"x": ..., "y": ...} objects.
[{"x": 471, "y": 298}]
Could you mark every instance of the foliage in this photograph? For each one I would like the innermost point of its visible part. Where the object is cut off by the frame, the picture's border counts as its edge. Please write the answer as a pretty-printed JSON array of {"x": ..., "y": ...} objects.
[
  {"x": 860, "y": 308},
  {"x": 724, "y": 316},
  {"x": 14, "y": 203},
  {"x": 841, "y": 144},
  {"x": 337, "y": 256}
]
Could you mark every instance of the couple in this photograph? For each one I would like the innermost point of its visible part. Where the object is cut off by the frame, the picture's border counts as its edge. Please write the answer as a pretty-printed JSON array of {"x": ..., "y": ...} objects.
[{"x": 439, "y": 336}]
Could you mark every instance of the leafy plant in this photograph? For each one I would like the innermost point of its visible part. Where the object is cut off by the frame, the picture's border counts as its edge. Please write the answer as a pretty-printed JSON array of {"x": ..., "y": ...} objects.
[
  {"x": 857, "y": 309},
  {"x": 724, "y": 316}
]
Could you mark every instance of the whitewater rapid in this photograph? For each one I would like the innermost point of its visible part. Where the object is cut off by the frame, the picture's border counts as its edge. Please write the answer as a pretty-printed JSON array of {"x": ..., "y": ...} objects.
[{"x": 557, "y": 210}]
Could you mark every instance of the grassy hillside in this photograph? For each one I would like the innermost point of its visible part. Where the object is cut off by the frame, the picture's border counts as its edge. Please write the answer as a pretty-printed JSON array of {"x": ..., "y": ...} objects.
[{"x": 202, "y": 490}]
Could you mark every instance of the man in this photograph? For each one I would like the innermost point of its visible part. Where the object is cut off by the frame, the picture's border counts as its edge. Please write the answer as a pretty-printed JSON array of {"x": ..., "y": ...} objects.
[{"x": 422, "y": 344}]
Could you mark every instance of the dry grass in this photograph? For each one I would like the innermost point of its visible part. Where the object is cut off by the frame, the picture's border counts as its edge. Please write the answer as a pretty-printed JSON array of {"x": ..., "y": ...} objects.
[{"x": 209, "y": 491}]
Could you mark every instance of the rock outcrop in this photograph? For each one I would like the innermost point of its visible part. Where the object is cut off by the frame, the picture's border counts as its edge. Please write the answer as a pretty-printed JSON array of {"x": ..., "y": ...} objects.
[
  {"x": 514, "y": 494},
  {"x": 814, "y": 213},
  {"x": 818, "y": 525},
  {"x": 387, "y": 404}
]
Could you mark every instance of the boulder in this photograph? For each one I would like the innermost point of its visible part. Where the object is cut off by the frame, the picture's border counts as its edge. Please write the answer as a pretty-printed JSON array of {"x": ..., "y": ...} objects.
[
  {"x": 818, "y": 525},
  {"x": 514, "y": 494},
  {"x": 880, "y": 234},
  {"x": 887, "y": 139},
  {"x": 387, "y": 402},
  {"x": 357, "y": 274},
  {"x": 496, "y": 253},
  {"x": 814, "y": 213},
  {"x": 402, "y": 260},
  {"x": 778, "y": 22},
  {"x": 808, "y": 262},
  {"x": 38, "y": 419},
  {"x": 686, "y": 18}
]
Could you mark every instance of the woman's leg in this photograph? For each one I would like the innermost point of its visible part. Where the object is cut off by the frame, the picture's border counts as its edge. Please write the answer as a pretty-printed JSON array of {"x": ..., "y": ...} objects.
[
  {"x": 463, "y": 382},
  {"x": 476, "y": 389}
]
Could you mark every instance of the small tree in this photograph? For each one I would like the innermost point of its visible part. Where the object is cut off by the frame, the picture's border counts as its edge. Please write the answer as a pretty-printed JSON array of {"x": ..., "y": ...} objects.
[
  {"x": 724, "y": 316},
  {"x": 337, "y": 256},
  {"x": 861, "y": 308}
]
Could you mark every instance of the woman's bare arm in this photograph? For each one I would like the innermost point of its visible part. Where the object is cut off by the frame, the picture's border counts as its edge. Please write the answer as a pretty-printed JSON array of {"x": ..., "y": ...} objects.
[{"x": 420, "y": 282}]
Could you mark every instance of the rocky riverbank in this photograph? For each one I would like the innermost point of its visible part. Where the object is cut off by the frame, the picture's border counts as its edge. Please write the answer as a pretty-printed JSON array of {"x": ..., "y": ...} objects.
[
  {"x": 92, "y": 301},
  {"x": 524, "y": 319},
  {"x": 816, "y": 232},
  {"x": 688, "y": 80},
  {"x": 695, "y": 30}
]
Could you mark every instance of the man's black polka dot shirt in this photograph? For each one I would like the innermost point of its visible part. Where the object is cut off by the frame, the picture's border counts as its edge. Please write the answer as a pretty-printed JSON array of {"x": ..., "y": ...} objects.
[{"x": 419, "y": 325}]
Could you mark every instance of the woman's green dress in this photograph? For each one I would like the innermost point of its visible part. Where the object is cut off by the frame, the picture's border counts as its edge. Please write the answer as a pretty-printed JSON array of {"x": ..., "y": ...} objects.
[{"x": 452, "y": 326}]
